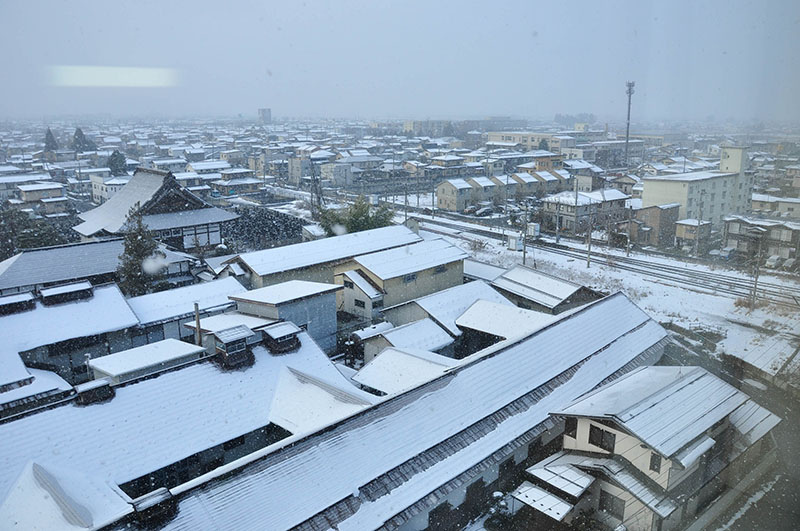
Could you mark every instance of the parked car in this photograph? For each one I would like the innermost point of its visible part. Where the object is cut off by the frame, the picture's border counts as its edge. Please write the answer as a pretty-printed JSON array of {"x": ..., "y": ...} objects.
[
  {"x": 485, "y": 211},
  {"x": 773, "y": 261}
]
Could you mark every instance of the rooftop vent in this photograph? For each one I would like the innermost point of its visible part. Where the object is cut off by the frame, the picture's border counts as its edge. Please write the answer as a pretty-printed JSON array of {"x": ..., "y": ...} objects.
[
  {"x": 94, "y": 392},
  {"x": 66, "y": 293},
  {"x": 156, "y": 507},
  {"x": 282, "y": 337},
  {"x": 17, "y": 303},
  {"x": 231, "y": 346}
]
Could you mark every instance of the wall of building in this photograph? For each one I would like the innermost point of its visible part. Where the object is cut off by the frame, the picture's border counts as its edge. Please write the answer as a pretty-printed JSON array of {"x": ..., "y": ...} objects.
[{"x": 428, "y": 281}]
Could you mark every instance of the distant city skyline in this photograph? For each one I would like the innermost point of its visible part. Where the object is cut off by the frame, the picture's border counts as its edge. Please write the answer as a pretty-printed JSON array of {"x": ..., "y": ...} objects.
[{"x": 414, "y": 60}]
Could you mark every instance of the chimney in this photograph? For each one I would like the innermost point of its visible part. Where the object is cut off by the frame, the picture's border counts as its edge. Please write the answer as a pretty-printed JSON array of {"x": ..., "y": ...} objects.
[{"x": 198, "y": 341}]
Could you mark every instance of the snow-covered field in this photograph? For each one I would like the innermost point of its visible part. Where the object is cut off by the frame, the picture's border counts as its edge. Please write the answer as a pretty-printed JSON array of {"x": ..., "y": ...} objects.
[{"x": 765, "y": 337}]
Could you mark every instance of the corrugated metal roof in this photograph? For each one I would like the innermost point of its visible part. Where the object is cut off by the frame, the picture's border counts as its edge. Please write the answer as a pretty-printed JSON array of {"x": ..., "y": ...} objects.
[
  {"x": 413, "y": 258},
  {"x": 270, "y": 493}
]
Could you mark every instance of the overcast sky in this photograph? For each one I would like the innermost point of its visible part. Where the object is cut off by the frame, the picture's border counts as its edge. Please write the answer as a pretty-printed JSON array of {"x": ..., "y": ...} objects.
[{"x": 407, "y": 59}]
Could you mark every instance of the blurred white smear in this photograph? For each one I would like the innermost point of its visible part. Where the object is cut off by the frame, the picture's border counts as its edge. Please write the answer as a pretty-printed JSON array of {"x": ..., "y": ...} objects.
[{"x": 112, "y": 76}]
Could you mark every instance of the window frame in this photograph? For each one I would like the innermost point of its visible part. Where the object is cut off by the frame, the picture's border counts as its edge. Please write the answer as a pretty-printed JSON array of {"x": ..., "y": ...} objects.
[{"x": 655, "y": 462}]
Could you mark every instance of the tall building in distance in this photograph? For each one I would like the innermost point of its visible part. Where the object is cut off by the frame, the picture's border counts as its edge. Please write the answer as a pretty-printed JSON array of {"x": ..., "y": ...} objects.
[{"x": 265, "y": 115}]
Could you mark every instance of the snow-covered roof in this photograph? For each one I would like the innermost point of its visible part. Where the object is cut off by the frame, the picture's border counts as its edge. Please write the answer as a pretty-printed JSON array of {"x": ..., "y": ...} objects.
[
  {"x": 356, "y": 277},
  {"x": 61, "y": 263},
  {"x": 420, "y": 335},
  {"x": 179, "y": 302},
  {"x": 112, "y": 214},
  {"x": 397, "y": 369},
  {"x": 217, "y": 323},
  {"x": 279, "y": 259},
  {"x": 159, "y": 355},
  {"x": 460, "y": 184},
  {"x": 399, "y": 261},
  {"x": 273, "y": 493},
  {"x": 503, "y": 320},
  {"x": 187, "y": 218},
  {"x": 692, "y": 222},
  {"x": 667, "y": 408},
  {"x": 481, "y": 270},
  {"x": 534, "y": 285},
  {"x": 289, "y": 291},
  {"x": 689, "y": 176},
  {"x": 208, "y": 165},
  {"x": 190, "y": 410},
  {"x": 45, "y": 496},
  {"x": 447, "y": 305},
  {"x": 105, "y": 311},
  {"x": 373, "y": 330}
]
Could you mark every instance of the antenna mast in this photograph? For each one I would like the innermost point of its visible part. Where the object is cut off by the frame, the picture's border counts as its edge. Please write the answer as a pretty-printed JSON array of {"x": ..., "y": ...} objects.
[{"x": 629, "y": 92}]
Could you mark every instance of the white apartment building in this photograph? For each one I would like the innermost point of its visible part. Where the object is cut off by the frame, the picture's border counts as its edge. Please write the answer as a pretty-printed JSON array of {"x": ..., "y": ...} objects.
[{"x": 707, "y": 195}]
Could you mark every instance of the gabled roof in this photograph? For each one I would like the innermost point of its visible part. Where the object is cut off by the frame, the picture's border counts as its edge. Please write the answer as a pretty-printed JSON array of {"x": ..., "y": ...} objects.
[
  {"x": 537, "y": 286},
  {"x": 413, "y": 258},
  {"x": 397, "y": 369},
  {"x": 48, "y": 265},
  {"x": 179, "y": 302},
  {"x": 279, "y": 259},
  {"x": 150, "y": 190},
  {"x": 666, "y": 408}
]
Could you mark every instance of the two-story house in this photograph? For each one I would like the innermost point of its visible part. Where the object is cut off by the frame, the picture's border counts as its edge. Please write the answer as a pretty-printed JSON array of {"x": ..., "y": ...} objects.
[{"x": 649, "y": 451}]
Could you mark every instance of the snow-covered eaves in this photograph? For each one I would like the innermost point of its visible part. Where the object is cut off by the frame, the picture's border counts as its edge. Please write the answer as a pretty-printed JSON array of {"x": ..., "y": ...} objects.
[
  {"x": 289, "y": 291},
  {"x": 534, "y": 285}
]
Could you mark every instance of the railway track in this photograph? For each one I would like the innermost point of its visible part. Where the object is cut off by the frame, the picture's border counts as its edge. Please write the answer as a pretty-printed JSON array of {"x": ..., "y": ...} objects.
[{"x": 716, "y": 283}]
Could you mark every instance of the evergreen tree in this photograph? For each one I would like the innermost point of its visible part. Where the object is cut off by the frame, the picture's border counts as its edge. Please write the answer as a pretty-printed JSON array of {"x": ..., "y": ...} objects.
[
  {"x": 18, "y": 231},
  {"x": 80, "y": 143},
  {"x": 543, "y": 144},
  {"x": 117, "y": 163},
  {"x": 50, "y": 143},
  {"x": 140, "y": 263},
  {"x": 357, "y": 217}
]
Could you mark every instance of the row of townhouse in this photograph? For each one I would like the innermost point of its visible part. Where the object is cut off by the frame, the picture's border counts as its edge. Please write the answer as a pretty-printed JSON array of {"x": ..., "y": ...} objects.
[{"x": 456, "y": 195}]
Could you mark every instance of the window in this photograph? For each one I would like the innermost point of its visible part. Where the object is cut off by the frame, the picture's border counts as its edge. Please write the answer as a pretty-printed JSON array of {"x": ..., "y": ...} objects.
[
  {"x": 571, "y": 427},
  {"x": 411, "y": 277},
  {"x": 613, "y": 505},
  {"x": 348, "y": 284},
  {"x": 602, "y": 438},
  {"x": 655, "y": 463},
  {"x": 440, "y": 269},
  {"x": 359, "y": 303}
]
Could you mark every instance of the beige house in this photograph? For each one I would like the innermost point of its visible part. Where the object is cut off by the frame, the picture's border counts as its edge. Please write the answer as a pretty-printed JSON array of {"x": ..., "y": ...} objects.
[
  {"x": 453, "y": 195},
  {"x": 650, "y": 451},
  {"x": 771, "y": 205},
  {"x": 317, "y": 260},
  {"x": 403, "y": 273},
  {"x": 709, "y": 195},
  {"x": 43, "y": 198},
  {"x": 689, "y": 231}
]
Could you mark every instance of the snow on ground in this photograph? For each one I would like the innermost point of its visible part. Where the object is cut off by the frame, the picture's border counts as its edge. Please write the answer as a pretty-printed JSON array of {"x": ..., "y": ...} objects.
[
  {"x": 765, "y": 337},
  {"x": 750, "y": 501},
  {"x": 414, "y": 200}
]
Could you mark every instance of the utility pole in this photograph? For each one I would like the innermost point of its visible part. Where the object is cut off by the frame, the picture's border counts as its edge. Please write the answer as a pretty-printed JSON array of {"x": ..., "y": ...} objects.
[
  {"x": 699, "y": 225},
  {"x": 757, "y": 232},
  {"x": 525, "y": 235},
  {"x": 630, "y": 221},
  {"x": 589, "y": 246},
  {"x": 558, "y": 222},
  {"x": 629, "y": 92}
]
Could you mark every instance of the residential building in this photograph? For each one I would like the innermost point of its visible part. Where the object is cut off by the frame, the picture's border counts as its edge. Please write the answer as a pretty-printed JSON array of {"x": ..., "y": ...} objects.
[
  {"x": 454, "y": 195},
  {"x": 650, "y": 450},
  {"x": 41, "y": 198},
  {"x": 709, "y": 195},
  {"x": 653, "y": 225},
  {"x": 207, "y": 166},
  {"x": 413, "y": 339},
  {"x": 104, "y": 187},
  {"x": 402, "y": 273},
  {"x": 693, "y": 234},
  {"x": 10, "y": 181},
  {"x": 770, "y": 205},
  {"x": 577, "y": 211},
  {"x": 777, "y": 237},
  {"x": 316, "y": 260}
]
